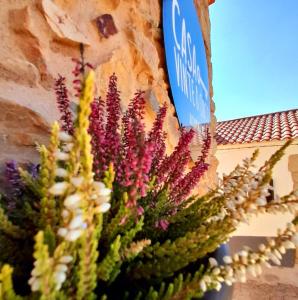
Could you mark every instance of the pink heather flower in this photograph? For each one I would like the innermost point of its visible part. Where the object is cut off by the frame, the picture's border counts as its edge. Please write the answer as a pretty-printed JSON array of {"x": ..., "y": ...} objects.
[
  {"x": 112, "y": 136},
  {"x": 162, "y": 224},
  {"x": 140, "y": 210},
  {"x": 173, "y": 165},
  {"x": 185, "y": 185},
  {"x": 97, "y": 132},
  {"x": 136, "y": 158},
  {"x": 14, "y": 182},
  {"x": 63, "y": 105},
  {"x": 157, "y": 137},
  {"x": 79, "y": 72}
]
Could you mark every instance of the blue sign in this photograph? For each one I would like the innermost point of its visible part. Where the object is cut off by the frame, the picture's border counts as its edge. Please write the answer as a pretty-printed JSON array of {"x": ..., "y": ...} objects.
[{"x": 186, "y": 62}]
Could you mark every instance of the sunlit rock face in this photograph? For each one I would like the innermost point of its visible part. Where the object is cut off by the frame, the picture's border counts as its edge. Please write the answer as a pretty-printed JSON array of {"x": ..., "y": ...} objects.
[{"x": 38, "y": 40}]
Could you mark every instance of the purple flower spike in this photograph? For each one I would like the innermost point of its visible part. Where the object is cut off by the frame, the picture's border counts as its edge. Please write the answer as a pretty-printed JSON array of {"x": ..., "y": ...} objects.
[{"x": 63, "y": 105}]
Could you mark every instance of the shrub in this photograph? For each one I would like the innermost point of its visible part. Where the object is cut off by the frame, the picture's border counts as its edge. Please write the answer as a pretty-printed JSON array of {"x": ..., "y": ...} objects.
[{"x": 108, "y": 215}]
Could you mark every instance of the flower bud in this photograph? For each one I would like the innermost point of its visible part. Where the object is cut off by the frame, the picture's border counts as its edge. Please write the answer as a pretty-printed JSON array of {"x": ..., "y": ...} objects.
[
  {"x": 73, "y": 235},
  {"x": 103, "y": 207},
  {"x": 66, "y": 259},
  {"x": 77, "y": 181},
  {"x": 62, "y": 232},
  {"x": 59, "y": 188},
  {"x": 35, "y": 284},
  {"x": 73, "y": 201},
  {"x": 60, "y": 172},
  {"x": 203, "y": 286},
  {"x": 61, "y": 155},
  {"x": 60, "y": 277},
  {"x": 213, "y": 262},
  {"x": 76, "y": 222}
]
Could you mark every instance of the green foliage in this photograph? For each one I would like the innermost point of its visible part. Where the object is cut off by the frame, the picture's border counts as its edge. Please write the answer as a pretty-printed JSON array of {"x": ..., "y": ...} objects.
[
  {"x": 163, "y": 260},
  {"x": 6, "y": 286},
  {"x": 106, "y": 267},
  {"x": 73, "y": 237},
  {"x": 9, "y": 229}
]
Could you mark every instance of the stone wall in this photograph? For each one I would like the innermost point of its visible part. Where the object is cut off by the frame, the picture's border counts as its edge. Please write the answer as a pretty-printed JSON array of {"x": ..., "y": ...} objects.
[{"x": 38, "y": 40}]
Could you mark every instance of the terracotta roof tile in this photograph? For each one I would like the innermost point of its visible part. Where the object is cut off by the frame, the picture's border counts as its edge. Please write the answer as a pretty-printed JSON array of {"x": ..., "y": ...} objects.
[{"x": 275, "y": 126}]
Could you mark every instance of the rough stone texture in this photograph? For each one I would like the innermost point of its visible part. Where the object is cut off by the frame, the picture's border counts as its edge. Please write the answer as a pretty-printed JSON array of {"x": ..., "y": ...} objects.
[
  {"x": 38, "y": 40},
  {"x": 20, "y": 130}
]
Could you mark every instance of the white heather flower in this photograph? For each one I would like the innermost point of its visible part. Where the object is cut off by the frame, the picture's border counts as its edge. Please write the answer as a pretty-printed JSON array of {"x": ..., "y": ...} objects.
[
  {"x": 254, "y": 256},
  {"x": 242, "y": 269},
  {"x": 282, "y": 249},
  {"x": 59, "y": 188},
  {"x": 262, "y": 247},
  {"x": 61, "y": 155},
  {"x": 61, "y": 268},
  {"x": 227, "y": 259},
  {"x": 274, "y": 258},
  {"x": 213, "y": 262},
  {"x": 31, "y": 280},
  {"x": 230, "y": 205},
  {"x": 105, "y": 192},
  {"x": 60, "y": 277},
  {"x": 252, "y": 207},
  {"x": 243, "y": 253},
  {"x": 217, "y": 286},
  {"x": 76, "y": 222},
  {"x": 277, "y": 254},
  {"x": 35, "y": 272},
  {"x": 228, "y": 282},
  {"x": 77, "y": 181},
  {"x": 203, "y": 285},
  {"x": 60, "y": 172},
  {"x": 73, "y": 200},
  {"x": 216, "y": 271},
  {"x": 67, "y": 147},
  {"x": 101, "y": 188},
  {"x": 66, "y": 259},
  {"x": 288, "y": 244},
  {"x": 244, "y": 259},
  {"x": 62, "y": 232},
  {"x": 229, "y": 278},
  {"x": 252, "y": 270},
  {"x": 64, "y": 136},
  {"x": 65, "y": 213},
  {"x": 73, "y": 235},
  {"x": 101, "y": 199},
  {"x": 261, "y": 201},
  {"x": 235, "y": 222},
  {"x": 35, "y": 284},
  {"x": 103, "y": 207},
  {"x": 99, "y": 185},
  {"x": 236, "y": 257},
  {"x": 206, "y": 278}
]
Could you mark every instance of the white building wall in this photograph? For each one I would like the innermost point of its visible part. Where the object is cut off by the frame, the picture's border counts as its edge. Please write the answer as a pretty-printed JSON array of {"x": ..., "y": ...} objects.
[{"x": 231, "y": 155}]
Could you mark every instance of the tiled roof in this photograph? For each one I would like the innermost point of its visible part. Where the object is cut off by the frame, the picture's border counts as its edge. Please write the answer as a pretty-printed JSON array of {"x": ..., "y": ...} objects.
[{"x": 275, "y": 126}]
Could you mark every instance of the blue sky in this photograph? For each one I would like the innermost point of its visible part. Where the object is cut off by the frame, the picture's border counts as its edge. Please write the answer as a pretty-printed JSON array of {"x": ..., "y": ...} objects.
[{"x": 255, "y": 56}]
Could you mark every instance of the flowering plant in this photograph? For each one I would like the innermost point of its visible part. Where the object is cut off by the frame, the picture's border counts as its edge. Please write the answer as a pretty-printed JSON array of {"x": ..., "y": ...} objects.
[{"x": 108, "y": 215}]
